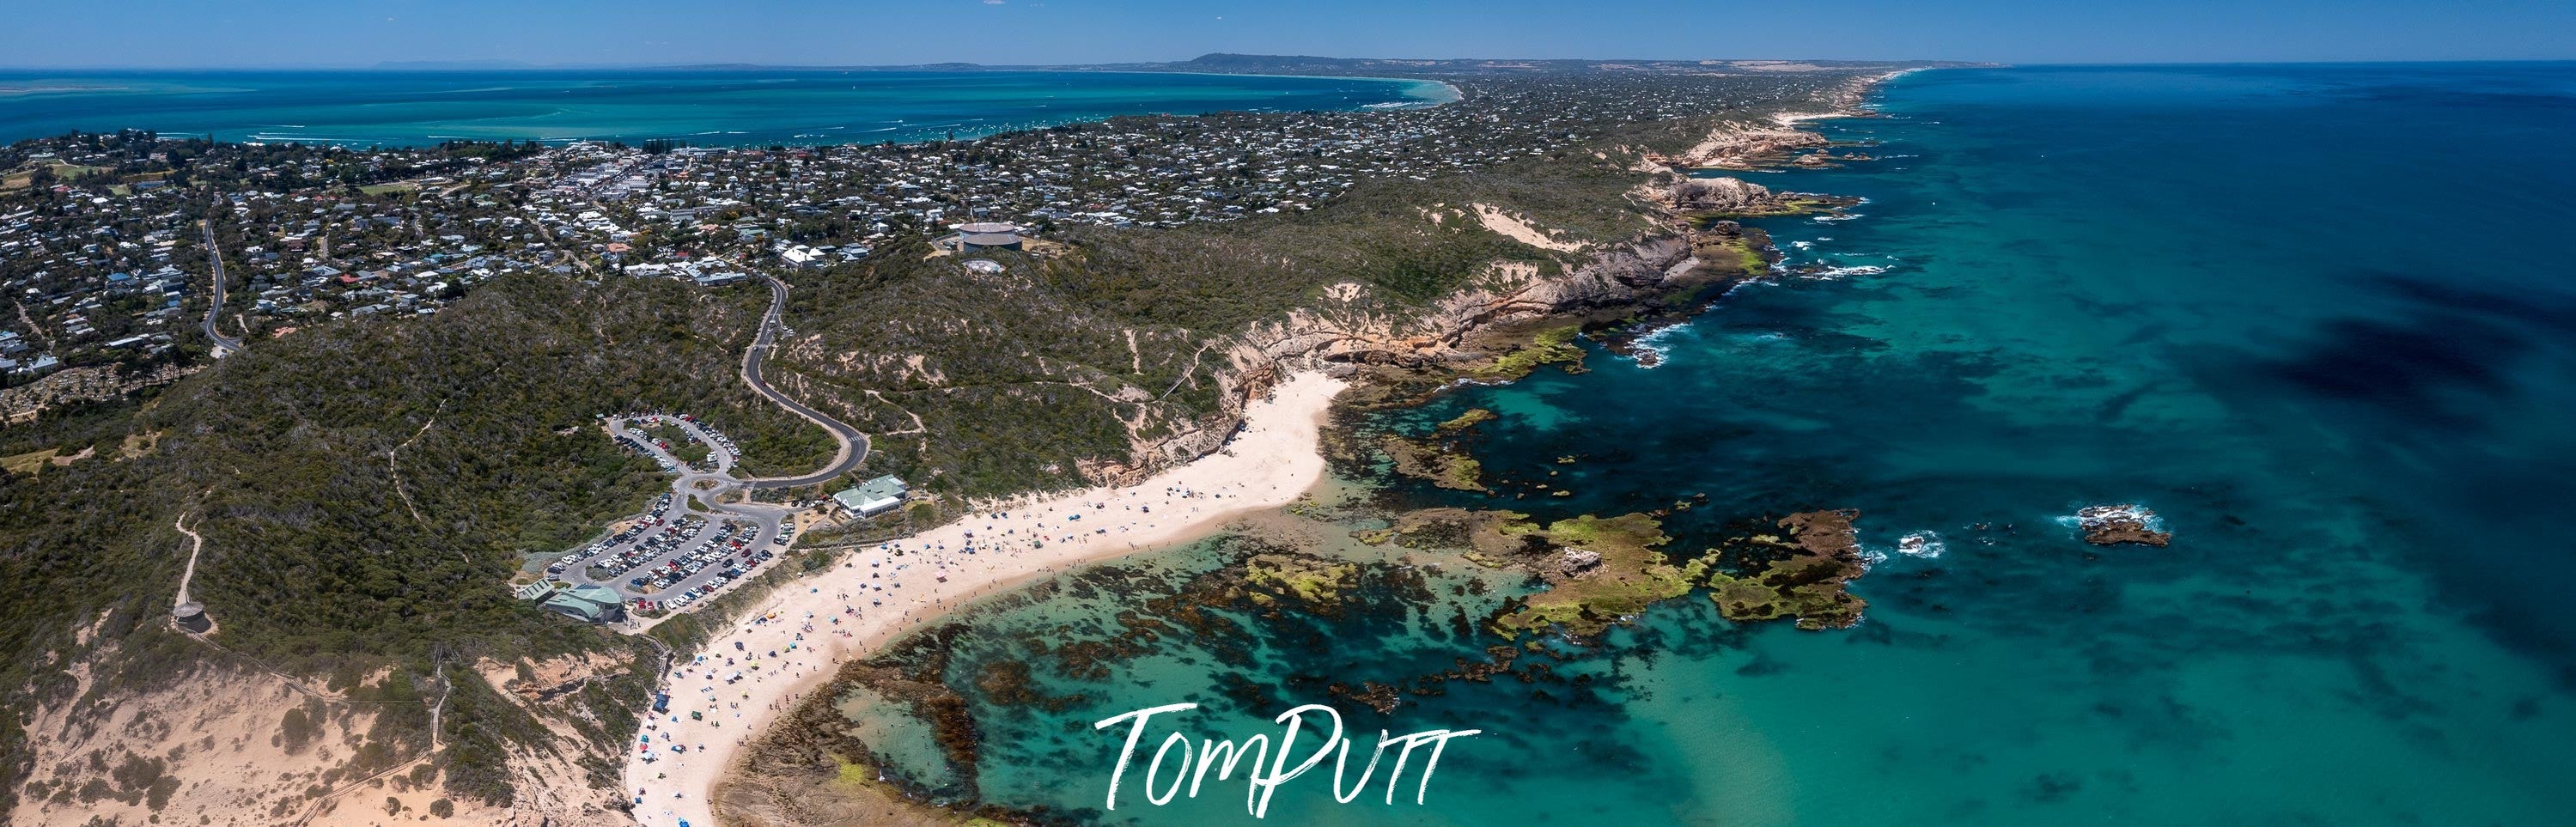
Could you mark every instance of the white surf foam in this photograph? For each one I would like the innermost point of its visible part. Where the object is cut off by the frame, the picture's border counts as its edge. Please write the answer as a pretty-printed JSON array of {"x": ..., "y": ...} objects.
[
  {"x": 1653, "y": 343},
  {"x": 1831, "y": 273}
]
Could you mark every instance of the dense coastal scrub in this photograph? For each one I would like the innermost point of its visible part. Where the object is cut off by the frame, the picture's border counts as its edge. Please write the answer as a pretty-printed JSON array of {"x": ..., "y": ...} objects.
[{"x": 315, "y": 564}]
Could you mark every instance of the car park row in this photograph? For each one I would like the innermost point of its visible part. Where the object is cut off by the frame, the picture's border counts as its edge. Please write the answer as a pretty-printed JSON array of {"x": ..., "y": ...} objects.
[{"x": 689, "y": 544}]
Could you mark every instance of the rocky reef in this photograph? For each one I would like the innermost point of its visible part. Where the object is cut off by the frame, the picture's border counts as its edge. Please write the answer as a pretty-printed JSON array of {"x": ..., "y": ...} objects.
[
  {"x": 1599, "y": 570},
  {"x": 1596, "y": 569},
  {"x": 1305, "y": 580},
  {"x": 2111, "y": 525},
  {"x": 1553, "y": 346},
  {"x": 1726, "y": 244},
  {"x": 801, "y": 768},
  {"x": 1472, "y": 418},
  {"x": 1442, "y": 456},
  {"x": 1802, "y": 575},
  {"x": 1592, "y": 572},
  {"x": 1826, "y": 159}
]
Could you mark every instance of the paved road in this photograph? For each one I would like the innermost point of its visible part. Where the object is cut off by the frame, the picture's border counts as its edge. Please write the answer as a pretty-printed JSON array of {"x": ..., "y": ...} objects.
[
  {"x": 854, "y": 445},
  {"x": 694, "y": 493},
  {"x": 224, "y": 345},
  {"x": 699, "y": 492},
  {"x": 584, "y": 192}
]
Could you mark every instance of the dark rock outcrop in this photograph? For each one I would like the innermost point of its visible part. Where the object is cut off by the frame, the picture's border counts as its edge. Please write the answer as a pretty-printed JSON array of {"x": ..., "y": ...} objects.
[{"x": 2111, "y": 525}]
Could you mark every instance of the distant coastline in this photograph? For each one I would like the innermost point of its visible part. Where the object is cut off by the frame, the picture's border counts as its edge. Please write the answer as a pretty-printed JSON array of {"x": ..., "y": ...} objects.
[
  {"x": 1454, "y": 93},
  {"x": 809, "y": 107},
  {"x": 14, "y": 91}
]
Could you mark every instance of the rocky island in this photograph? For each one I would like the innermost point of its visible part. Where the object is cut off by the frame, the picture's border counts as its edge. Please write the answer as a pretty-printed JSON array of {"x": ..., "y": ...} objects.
[
  {"x": 1801, "y": 576},
  {"x": 2111, "y": 525},
  {"x": 1595, "y": 571}
]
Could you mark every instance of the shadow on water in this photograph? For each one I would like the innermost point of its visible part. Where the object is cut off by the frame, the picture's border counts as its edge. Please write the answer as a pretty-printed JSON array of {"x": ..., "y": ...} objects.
[{"x": 2433, "y": 391}]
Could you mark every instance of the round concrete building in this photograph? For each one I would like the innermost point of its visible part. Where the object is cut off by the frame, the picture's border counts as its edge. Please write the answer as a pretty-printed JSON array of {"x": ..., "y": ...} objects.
[
  {"x": 191, "y": 617},
  {"x": 987, "y": 235}
]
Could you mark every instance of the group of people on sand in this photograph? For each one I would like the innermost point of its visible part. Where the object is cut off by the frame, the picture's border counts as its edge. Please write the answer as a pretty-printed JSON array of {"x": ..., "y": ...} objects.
[{"x": 734, "y": 664}]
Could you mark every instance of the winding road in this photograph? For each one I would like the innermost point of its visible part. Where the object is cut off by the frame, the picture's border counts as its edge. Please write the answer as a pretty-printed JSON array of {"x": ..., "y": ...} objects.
[
  {"x": 700, "y": 493},
  {"x": 224, "y": 345},
  {"x": 854, "y": 445}
]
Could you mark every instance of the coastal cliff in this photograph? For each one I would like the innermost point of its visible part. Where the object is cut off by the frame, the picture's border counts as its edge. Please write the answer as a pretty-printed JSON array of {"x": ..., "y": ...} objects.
[
  {"x": 1343, "y": 338},
  {"x": 1741, "y": 146},
  {"x": 1690, "y": 253}
]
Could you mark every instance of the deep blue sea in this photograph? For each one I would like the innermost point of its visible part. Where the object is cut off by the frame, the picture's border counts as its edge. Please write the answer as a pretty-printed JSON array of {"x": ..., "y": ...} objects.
[
  {"x": 704, "y": 108},
  {"x": 2322, "y": 319}
]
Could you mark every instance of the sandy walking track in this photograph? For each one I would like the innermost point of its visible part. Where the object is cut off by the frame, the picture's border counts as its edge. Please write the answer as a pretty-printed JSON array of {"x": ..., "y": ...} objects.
[{"x": 1270, "y": 463}]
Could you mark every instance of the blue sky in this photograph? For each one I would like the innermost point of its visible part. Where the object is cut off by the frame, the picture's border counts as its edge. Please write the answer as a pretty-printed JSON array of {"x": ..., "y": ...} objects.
[{"x": 163, "y": 33}]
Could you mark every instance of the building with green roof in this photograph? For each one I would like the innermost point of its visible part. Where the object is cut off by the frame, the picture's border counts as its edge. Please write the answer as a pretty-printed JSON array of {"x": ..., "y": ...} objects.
[
  {"x": 874, "y": 497},
  {"x": 587, "y": 603}
]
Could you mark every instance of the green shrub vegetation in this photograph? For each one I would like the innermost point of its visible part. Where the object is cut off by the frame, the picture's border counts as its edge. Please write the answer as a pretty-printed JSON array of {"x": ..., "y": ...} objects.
[{"x": 313, "y": 562}]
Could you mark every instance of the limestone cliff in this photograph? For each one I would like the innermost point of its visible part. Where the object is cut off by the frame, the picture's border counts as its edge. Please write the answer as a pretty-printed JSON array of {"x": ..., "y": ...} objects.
[
  {"x": 1741, "y": 146},
  {"x": 1338, "y": 335}
]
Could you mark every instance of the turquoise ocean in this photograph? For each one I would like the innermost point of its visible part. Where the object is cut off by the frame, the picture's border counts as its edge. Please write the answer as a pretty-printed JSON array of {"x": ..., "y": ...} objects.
[
  {"x": 2321, "y": 319},
  {"x": 703, "y": 107}
]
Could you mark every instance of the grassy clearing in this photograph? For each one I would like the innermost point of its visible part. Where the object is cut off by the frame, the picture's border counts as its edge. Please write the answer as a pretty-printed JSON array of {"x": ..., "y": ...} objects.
[
  {"x": 137, "y": 446},
  {"x": 29, "y": 463},
  {"x": 62, "y": 172}
]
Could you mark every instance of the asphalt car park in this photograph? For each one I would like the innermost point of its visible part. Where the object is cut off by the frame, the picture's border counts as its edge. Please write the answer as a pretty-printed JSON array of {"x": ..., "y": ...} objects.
[{"x": 688, "y": 545}]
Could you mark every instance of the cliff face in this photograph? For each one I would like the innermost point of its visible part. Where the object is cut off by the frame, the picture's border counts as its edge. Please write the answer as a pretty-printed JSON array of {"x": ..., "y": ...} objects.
[
  {"x": 1726, "y": 195},
  {"x": 1324, "y": 340},
  {"x": 1338, "y": 337},
  {"x": 1736, "y": 146}
]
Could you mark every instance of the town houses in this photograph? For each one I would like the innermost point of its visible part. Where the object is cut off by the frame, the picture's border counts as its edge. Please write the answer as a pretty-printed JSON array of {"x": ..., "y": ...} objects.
[{"x": 102, "y": 236}]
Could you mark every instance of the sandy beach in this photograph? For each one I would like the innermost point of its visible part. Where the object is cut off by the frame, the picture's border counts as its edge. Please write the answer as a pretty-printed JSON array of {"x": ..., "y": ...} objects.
[{"x": 792, "y": 642}]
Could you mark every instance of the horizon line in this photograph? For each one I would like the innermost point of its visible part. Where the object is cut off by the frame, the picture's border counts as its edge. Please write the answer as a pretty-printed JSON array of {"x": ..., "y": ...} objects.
[{"x": 426, "y": 66}]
